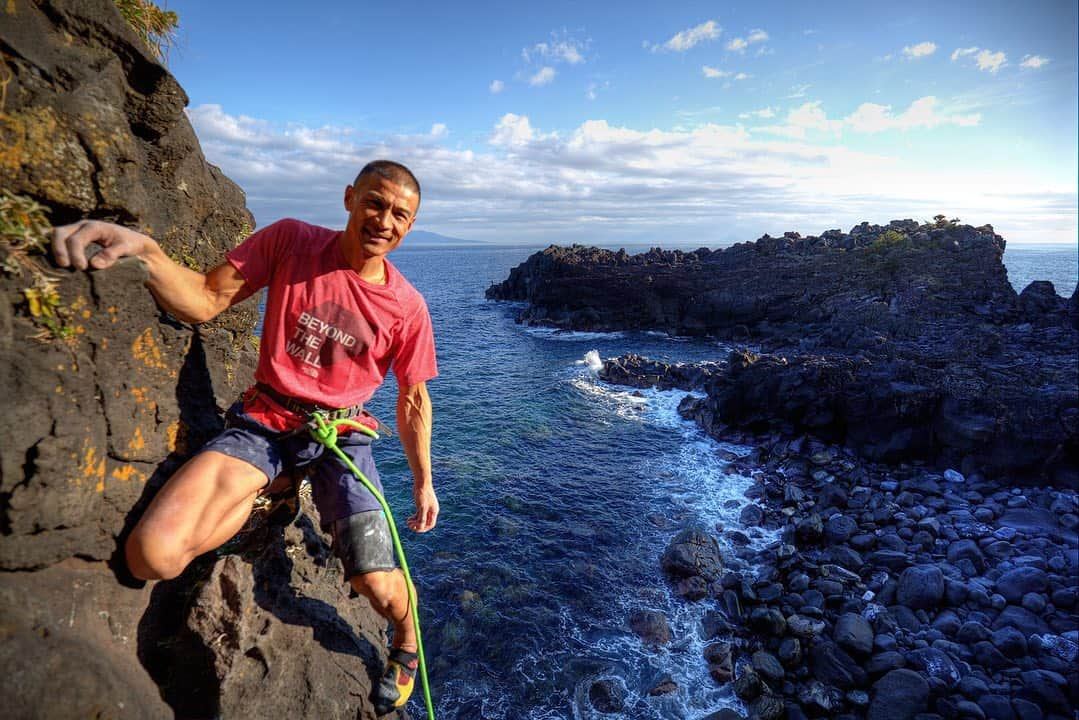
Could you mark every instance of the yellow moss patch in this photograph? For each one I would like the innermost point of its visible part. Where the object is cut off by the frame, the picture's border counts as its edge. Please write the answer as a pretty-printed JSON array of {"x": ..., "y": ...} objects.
[{"x": 35, "y": 138}]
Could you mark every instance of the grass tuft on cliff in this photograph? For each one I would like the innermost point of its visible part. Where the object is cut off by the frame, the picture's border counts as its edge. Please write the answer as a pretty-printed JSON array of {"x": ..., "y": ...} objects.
[{"x": 155, "y": 25}]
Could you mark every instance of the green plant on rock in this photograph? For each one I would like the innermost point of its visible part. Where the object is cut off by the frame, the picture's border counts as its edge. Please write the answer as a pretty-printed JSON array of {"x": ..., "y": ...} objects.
[
  {"x": 153, "y": 24},
  {"x": 24, "y": 231},
  {"x": 888, "y": 239}
]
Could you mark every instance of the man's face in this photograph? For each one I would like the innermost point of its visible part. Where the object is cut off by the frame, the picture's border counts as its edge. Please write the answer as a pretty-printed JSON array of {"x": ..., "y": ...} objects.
[{"x": 380, "y": 213}]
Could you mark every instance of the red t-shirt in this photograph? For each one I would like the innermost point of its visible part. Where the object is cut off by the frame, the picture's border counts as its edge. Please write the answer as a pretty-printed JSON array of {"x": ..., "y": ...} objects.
[{"x": 329, "y": 337}]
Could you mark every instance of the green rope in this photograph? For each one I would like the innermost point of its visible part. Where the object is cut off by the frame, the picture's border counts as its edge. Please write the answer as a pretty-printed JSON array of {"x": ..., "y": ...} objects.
[{"x": 326, "y": 433}]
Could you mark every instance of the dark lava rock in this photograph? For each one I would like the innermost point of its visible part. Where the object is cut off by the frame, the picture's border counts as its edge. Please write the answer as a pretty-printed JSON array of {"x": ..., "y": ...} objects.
[
  {"x": 767, "y": 707},
  {"x": 650, "y": 626},
  {"x": 747, "y": 685},
  {"x": 790, "y": 652},
  {"x": 607, "y": 696},
  {"x": 666, "y": 686},
  {"x": 997, "y": 707},
  {"x": 766, "y": 664},
  {"x": 93, "y": 125},
  {"x": 839, "y": 528},
  {"x": 936, "y": 664},
  {"x": 693, "y": 552},
  {"x": 832, "y": 666},
  {"x": 853, "y": 633},
  {"x": 1022, "y": 620},
  {"x": 920, "y": 587},
  {"x": 899, "y": 695},
  {"x": 1016, "y": 583}
]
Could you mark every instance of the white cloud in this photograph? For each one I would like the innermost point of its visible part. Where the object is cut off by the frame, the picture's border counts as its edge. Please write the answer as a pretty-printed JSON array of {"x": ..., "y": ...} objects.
[
  {"x": 868, "y": 118},
  {"x": 439, "y": 130},
  {"x": 711, "y": 72},
  {"x": 739, "y": 44},
  {"x": 590, "y": 184},
  {"x": 763, "y": 113},
  {"x": 1033, "y": 62},
  {"x": 544, "y": 76},
  {"x": 741, "y": 76},
  {"x": 512, "y": 131},
  {"x": 922, "y": 113},
  {"x": 798, "y": 91},
  {"x": 986, "y": 60},
  {"x": 991, "y": 61},
  {"x": 496, "y": 87},
  {"x": 690, "y": 37},
  {"x": 922, "y": 49},
  {"x": 560, "y": 49}
]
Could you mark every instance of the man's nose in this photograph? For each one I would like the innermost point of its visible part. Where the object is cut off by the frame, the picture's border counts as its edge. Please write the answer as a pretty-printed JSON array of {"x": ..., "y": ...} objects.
[{"x": 385, "y": 218}]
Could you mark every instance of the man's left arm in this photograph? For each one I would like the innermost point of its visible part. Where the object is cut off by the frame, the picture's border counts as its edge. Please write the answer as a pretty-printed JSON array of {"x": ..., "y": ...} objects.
[{"x": 414, "y": 425}]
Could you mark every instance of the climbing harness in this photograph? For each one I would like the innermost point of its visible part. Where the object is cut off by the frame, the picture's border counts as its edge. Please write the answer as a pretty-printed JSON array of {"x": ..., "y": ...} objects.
[{"x": 324, "y": 430}]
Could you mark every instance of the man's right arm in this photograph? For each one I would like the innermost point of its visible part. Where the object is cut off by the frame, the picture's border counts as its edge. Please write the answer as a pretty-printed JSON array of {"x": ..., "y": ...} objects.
[{"x": 188, "y": 295}]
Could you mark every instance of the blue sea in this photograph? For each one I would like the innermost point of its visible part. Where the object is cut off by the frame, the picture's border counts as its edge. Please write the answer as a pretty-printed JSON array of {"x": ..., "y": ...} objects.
[{"x": 558, "y": 496}]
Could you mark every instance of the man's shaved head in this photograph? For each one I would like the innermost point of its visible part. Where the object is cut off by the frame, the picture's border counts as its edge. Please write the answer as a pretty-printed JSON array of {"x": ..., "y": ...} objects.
[{"x": 395, "y": 172}]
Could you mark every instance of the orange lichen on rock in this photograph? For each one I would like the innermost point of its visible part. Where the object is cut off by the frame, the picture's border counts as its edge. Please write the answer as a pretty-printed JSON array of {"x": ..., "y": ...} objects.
[
  {"x": 145, "y": 348},
  {"x": 126, "y": 473},
  {"x": 138, "y": 442},
  {"x": 91, "y": 467}
]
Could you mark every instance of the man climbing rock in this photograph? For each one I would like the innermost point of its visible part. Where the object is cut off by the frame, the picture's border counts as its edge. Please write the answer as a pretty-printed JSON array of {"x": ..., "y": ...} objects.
[{"x": 338, "y": 317}]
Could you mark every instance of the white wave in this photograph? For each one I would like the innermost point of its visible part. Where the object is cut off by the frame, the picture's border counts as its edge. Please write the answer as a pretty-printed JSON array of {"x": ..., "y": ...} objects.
[{"x": 592, "y": 361}]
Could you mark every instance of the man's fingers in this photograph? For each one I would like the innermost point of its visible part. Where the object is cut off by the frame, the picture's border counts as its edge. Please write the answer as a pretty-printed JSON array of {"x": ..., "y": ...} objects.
[
  {"x": 75, "y": 243},
  {"x": 60, "y": 237}
]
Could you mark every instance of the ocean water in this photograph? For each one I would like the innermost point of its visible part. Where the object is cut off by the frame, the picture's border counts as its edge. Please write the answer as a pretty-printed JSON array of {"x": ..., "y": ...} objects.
[
  {"x": 558, "y": 496},
  {"x": 1059, "y": 265}
]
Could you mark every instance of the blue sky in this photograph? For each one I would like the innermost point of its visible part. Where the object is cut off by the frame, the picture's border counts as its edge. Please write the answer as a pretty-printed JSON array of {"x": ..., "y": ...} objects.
[{"x": 665, "y": 123}]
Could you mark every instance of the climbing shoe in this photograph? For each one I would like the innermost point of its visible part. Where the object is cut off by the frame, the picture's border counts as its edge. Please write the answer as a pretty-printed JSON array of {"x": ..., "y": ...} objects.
[{"x": 397, "y": 681}]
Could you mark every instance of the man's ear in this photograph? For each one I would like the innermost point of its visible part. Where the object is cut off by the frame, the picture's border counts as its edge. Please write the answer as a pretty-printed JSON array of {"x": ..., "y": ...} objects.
[{"x": 348, "y": 198}]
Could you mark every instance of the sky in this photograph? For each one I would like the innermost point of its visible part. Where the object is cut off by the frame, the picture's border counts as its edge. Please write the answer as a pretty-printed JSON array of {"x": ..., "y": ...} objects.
[{"x": 665, "y": 123}]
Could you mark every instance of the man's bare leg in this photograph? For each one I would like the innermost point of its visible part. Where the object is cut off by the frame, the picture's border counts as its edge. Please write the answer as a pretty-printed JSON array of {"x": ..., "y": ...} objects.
[
  {"x": 198, "y": 509},
  {"x": 388, "y": 595}
]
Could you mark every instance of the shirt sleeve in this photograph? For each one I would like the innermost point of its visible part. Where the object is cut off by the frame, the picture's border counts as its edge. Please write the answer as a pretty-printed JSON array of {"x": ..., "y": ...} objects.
[
  {"x": 415, "y": 361},
  {"x": 257, "y": 256}
]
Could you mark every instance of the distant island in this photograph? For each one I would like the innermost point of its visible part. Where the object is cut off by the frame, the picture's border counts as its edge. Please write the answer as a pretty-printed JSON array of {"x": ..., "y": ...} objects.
[{"x": 425, "y": 238}]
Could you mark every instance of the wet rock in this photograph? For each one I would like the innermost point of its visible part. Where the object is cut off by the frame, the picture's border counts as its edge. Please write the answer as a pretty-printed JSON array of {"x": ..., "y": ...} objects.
[
  {"x": 1014, "y": 584},
  {"x": 1022, "y": 620},
  {"x": 899, "y": 695},
  {"x": 766, "y": 664},
  {"x": 767, "y": 707},
  {"x": 747, "y": 685},
  {"x": 936, "y": 665},
  {"x": 693, "y": 552},
  {"x": 920, "y": 587},
  {"x": 607, "y": 696},
  {"x": 854, "y": 634},
  {"x": 997, "y": 707},
  {"x": 804, "y": 627},
  {"x": 832, "y": 666},
  {"x": 790, "y": 652},
  {"x": 650, "y": 626},
  {"x": 666, "y": 686}
]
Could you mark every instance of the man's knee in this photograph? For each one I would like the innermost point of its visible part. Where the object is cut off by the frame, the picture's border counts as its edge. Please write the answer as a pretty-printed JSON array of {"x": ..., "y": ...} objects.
[
  {"x": 151, "y": 559},
  {"x": 377, "y": 586}
]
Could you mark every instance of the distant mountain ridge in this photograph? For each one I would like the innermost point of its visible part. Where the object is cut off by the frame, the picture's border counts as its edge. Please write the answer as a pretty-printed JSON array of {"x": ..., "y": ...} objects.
[{"x": 424, "y": 238}]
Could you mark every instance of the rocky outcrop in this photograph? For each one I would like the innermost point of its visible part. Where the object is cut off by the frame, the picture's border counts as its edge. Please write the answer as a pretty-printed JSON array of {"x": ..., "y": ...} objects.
[
  {"x": 902, "y": 341},
  {"x": 105, "y": 397},
  {"x": 892, "y": 279}
]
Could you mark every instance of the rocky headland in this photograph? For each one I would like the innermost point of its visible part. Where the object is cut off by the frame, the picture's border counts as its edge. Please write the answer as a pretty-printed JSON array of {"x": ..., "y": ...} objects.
[
  {"x": 914, "y": 423},
  {"x": 106, "y": 396}
]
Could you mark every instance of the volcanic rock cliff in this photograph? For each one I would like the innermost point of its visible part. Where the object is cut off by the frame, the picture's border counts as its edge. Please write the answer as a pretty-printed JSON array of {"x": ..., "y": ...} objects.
[
  {"x": 903, "y": 341},
  {"x": 106, "y": 396}
]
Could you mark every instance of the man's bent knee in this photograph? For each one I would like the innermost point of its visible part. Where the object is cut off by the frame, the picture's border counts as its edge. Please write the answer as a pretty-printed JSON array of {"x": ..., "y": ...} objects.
[{"x": 150, "y": 560}]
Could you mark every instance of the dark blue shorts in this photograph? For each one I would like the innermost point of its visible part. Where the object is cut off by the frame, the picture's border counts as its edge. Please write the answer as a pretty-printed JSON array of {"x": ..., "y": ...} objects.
[{"x": 337, "y": 494}]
